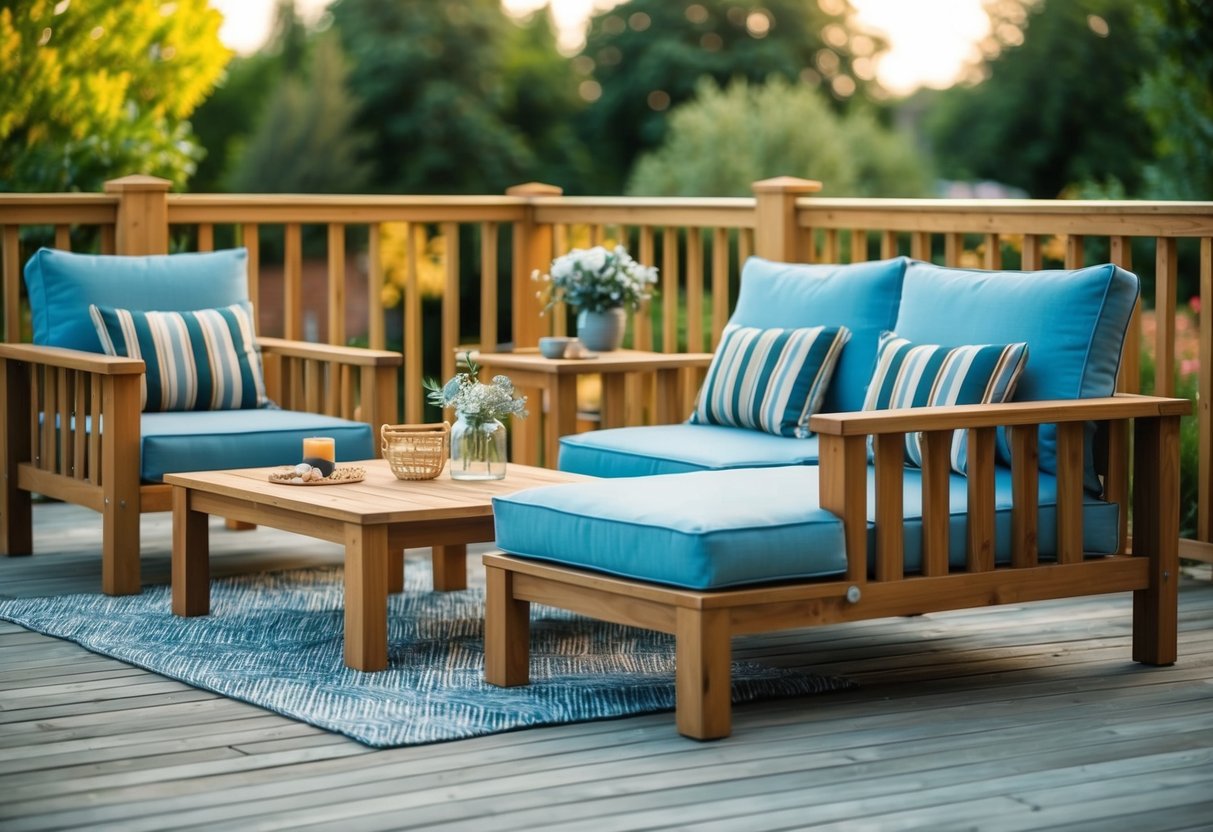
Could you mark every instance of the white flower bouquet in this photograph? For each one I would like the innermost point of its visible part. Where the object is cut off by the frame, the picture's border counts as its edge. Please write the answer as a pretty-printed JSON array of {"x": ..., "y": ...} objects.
[
  {"x": 597, "y": 279},
  {"x": 474, "y": 400}
]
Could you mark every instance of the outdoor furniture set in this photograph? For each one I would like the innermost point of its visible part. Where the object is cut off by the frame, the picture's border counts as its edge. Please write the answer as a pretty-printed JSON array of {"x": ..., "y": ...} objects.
[
  {"x": 741, "y": 521},
  {"x": 809, "y": 486}
]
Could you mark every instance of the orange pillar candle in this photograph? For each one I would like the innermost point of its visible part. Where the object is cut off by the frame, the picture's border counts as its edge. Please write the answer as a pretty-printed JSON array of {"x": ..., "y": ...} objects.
[{"x": 320, "y": 447}]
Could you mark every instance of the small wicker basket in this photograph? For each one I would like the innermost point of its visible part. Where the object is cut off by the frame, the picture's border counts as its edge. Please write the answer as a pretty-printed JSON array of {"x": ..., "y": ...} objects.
[{"x": 416, "y": 452}]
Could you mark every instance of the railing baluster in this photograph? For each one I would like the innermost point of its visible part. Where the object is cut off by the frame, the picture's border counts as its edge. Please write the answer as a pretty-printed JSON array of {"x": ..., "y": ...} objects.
[
  {"x": 859, "y": 245},
  {"x": 954, "y": 247},
  {"x": 694, "y": 290},
  {"x": 292, "y": 290},
  {"x": 488, "y": 286},
  {"x": 376, "y": 334},
  {"x": 992, "y": 256},
  {"x": 829, "y": 252},
  {"x": 642, "y": 323},
  {"x": 248, "y": 234},
  {"x": 920, "y": 245},
  {"x": 669, "y": 289},
  {"x": 206, "y": 236},
  {"x": 63, "y": 237},
  {"x": 1074, "y": 251},
  {"x": 1164, "y": 315},
  {"x": 1031, "y": 252},
  {"x": 412, "y": 325},
  {"x": 1120, "y": 251},
  {"x": 720, "y": 283},
  {"x": 336, "y": 283},
  {"x": 888, "y": 245},
  {"x": 450, "y": 298}
]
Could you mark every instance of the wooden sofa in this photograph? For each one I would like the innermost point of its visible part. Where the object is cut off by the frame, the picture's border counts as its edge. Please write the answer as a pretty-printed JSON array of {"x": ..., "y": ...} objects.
[
  {"x": 53, "y": 397},
  {"x": 861, "y": 501}
]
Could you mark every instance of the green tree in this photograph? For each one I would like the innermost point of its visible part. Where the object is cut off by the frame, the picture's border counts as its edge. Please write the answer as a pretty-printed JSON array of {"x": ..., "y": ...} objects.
[
  {"x": 306, "y": 142},
  {"x": 1053, "y": 112},
  {"x": 90, "y": 91},
  {"x": 226, "y": 120},
  {"x": 725, "y": 140},
  {"x": 645, "y": 57},
  {"x": 431, "y": 81},
  {"x": 1176, "y": 97}
]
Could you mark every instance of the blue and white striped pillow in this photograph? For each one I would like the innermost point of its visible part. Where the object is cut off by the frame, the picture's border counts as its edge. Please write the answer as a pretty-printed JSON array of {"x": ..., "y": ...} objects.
[
  {"x": 771, "y": 380},
  {"x": 201, "y": 360},
  {"x": 928, "y": 375}
]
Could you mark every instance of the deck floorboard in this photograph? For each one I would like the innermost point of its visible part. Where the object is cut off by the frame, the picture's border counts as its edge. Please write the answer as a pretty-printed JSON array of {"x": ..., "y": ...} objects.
[{"x": 1015, "y": 718}]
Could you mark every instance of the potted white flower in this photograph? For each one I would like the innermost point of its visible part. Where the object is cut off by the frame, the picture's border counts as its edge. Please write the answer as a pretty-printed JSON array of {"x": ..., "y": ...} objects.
[
  {"x": 478, "y": 447},
  {"x": 603, "y": 285}
]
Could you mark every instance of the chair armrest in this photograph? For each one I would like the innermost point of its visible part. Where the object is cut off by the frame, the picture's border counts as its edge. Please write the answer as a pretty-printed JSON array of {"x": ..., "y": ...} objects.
[
  {"x": 843, "y": 464},
  {"x": 906, "y": 420},
  {"x": 349, "y": 382},
  {"x": 89, "y": 362},
  {"x": 355, "y": 356}
]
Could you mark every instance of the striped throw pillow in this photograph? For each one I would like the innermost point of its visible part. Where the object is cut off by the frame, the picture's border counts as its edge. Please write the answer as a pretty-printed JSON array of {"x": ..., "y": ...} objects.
[
  {"x": 771, "y": 380},
  {"x": 928, "y": 375},
  {"x": 201, "y": 360}
]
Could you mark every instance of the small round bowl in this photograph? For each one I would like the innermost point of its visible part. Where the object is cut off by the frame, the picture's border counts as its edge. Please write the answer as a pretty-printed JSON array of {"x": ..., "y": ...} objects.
[{"x": 553, "y": 346}]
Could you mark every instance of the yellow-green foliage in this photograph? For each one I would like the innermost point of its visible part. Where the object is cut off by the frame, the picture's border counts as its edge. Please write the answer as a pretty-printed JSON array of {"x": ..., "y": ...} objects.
[{"x": 90, "y": 90}]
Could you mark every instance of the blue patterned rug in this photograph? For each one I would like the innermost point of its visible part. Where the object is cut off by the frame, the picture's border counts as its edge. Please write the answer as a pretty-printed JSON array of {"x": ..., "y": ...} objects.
[{"x": 275, "y": 640}]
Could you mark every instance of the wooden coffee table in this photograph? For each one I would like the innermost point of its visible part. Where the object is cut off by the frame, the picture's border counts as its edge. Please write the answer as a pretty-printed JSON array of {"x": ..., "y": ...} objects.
[{"x": 375, "y": 520}]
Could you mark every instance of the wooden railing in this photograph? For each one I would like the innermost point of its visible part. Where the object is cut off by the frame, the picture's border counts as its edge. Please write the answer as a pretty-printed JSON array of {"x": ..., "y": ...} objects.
[{"x": 490, "y": 245}]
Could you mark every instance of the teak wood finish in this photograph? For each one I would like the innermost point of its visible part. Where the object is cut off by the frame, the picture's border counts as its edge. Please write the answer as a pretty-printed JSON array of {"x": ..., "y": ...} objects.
[
  {"x": 703, "y": 623},
  {"x": 375, "y": 520}
]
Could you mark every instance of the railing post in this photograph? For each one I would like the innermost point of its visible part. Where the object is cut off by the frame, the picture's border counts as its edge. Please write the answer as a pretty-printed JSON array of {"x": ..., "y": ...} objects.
[
  {"x": 775, "y": 231},
  {"x": 532, "y": 250},
  {"x": 142, "y": 226}
]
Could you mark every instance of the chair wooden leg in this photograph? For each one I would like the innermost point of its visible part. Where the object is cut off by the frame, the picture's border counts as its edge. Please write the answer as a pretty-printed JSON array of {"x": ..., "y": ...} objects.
[
  {"x": 703, "y": 674},
  {"x": 120, "y": 448},
  {"x": 507, "y": 631},
  {"x": 1156, "y": 536},
  {"x": 16, "y": 520}
]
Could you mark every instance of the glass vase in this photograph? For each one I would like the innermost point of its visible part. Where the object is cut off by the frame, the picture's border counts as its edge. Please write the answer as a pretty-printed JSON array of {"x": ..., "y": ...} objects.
[{"x": 477, "y": 449}]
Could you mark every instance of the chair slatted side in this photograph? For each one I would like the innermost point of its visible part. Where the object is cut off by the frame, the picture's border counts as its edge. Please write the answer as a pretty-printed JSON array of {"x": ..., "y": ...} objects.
[
  {"x": 980, "y": 475},
  {"x": 1025, "y": 489},
  {"x": 936, "y": 499},
  {"x": 1070, "y": 441},
  {"x": 890, "y": 500}
]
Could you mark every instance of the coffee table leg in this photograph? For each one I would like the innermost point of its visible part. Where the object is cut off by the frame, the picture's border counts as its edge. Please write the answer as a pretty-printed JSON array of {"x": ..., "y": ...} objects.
[
  {"x": 366, "y": 580},
  {"x": 395, "y": 571},
  {"x": 191, "y": 573},
  {"x": 450, "y": 567}
]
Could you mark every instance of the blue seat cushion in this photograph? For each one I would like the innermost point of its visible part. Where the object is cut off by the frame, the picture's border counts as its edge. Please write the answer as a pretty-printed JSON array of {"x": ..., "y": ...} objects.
[
  {"x": 692, "y": 531},
  {"x": 1074, "y": 323},
  {"x": 61, "y": 285},
  {"x": 211, "y": 440},
  {"x": 674, "y": 449},
  {"x": 863, "y": 297}
]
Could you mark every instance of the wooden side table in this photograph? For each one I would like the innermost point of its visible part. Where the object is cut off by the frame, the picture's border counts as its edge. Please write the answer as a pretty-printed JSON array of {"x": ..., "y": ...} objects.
[{"x": 558, "y": 376}]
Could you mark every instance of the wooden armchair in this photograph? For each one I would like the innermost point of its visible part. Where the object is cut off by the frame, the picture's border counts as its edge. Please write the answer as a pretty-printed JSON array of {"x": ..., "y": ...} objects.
[{"x": 54, "y": 397}]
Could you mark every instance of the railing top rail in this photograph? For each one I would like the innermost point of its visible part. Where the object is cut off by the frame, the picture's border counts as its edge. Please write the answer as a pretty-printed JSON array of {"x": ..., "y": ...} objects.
[
  {"x": 352, "y": 208},
  {"x": 1011, "y": 216},
  {"x": 1011, "y": 206}
]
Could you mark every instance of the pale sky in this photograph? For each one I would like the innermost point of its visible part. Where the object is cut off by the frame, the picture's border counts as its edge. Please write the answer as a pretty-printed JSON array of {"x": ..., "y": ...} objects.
[{"x": 931, "y": 39}]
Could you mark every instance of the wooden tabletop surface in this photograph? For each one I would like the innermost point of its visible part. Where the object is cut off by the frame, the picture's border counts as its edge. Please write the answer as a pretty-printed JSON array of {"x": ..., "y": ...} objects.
[
  {"x": 379, "y": 498},
  {"x": 631, "y": 361}
]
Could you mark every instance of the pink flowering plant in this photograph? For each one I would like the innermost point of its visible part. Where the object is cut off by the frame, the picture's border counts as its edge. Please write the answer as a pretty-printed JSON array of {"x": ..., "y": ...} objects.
[{"x": 597, "y": 279}]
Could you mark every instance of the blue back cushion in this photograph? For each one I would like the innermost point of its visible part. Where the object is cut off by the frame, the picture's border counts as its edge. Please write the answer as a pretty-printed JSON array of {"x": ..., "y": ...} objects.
[
  {"x": 1073, "y": 321},
  {"x": 863, "y": 297},
  {"x": 61, "y": 286}
]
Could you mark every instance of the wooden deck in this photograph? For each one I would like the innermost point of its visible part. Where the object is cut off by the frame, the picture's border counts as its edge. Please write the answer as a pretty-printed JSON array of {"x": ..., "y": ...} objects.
[{"x": 1004, "y": 719}]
